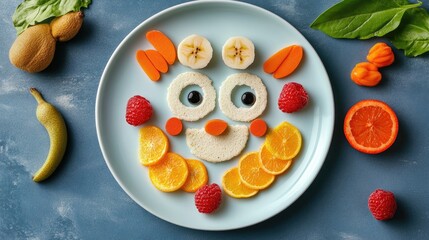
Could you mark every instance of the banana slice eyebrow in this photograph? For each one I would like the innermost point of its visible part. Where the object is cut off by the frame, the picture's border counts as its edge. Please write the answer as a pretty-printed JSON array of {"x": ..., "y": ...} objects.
[
  {"x": 238, "y": 52},
  {"x": 184, "y": 112},
  {"x": 242, "y": 114},
  {"x": 195, "y": 51}
]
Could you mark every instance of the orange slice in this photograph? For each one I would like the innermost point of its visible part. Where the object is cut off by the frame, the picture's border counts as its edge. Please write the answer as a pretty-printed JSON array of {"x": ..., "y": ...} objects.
[
  {"x": 371, "y": 126},
  {"x": 251, "y": 172},
  {"x": 271, "y": 164},
  {"x": 233, "y": 185},
  {"x": 197, "y": 176},
  {"x": 170, "y": 173},
  {"x": 284, "y": 141},
  {"x": 153, "y": 145}
]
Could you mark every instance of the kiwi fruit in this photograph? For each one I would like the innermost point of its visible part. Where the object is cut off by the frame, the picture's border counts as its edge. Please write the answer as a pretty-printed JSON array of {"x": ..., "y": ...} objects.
[
  {"x": 65, "y": 27},
  {"x": 34, "y": 49}
]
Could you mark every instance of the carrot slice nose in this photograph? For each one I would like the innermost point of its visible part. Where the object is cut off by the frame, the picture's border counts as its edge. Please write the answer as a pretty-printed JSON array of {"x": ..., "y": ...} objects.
[{"x": 215, "y": 127}]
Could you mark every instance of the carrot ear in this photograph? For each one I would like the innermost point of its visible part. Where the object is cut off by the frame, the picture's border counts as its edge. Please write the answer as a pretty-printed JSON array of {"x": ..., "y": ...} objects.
[
  {"x": 163, "y": 45},
  {"x": 157, "y": 60},
  {"x": 273, "y": 63},
  {"x": 147, "y": 65},
  {"x": 291, "y": 62}
]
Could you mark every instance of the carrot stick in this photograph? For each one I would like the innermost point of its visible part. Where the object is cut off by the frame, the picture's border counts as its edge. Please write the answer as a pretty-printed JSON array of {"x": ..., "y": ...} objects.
[
  {"x": 258, "y": 127},
  {"x": 173, "y": 126},
  {"x": 147, "y": 65},
  {"x": 273, "y": 63},
  {"x": 163, "y": 44},
  {"x": 157, "y": 60},
  {"x": 289, "y": 65},
  {"x": 216, "y": 127}
]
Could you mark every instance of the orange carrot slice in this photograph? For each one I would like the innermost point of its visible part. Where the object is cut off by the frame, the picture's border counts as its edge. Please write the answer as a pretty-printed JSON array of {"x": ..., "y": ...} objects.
[
  {"x": 163, "y": 44},
  {"x": 157, "y": 60},
  {"x": 258, "y": 127},
  {"x": 216, "y": 127},
  {"x": 273, "y": 63},
  {"x": 173, "y": 126},
  {"x": 147, "y": 65},
  {"x": 289, "y": 65}
]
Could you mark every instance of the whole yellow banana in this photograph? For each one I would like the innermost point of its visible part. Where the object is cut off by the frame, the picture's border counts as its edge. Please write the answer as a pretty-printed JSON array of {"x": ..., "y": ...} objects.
[{"x": 54, "y": 123}]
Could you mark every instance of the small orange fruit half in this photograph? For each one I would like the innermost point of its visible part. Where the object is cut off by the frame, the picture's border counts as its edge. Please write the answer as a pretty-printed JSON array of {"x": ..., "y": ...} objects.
[
  {"x": 153, "y": 145},
  {"x": 271, "y": 164},
  {"x": 251, "y": 172},
  {"x": 233, "y": 185},
  {"x": 197, "y": 177},
  {"x": 371, "y": 126},
  {"x": 169, "y": 174}
]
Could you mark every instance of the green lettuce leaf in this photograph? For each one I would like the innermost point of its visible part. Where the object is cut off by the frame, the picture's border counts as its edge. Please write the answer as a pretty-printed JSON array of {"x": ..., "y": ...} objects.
[
  {"x": 31, "y": 12},
  {"x": 413, "y": 34},
  {"x": 362, "y": 19}
]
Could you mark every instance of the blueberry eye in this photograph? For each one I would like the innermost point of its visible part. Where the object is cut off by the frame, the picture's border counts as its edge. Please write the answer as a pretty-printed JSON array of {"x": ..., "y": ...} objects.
[
  {"x": 194, "y": 97},
  {"x": 248, "y": 98}
]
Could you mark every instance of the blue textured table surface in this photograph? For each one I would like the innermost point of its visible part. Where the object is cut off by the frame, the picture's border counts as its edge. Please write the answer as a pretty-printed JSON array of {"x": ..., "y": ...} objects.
[{"x": 83, "y": 201}]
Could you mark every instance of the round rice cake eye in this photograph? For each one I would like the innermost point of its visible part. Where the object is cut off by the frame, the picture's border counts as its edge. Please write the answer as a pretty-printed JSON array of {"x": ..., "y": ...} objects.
[
  {"x": 243, "y": 114},
  {"x": 202, "y": 103}
]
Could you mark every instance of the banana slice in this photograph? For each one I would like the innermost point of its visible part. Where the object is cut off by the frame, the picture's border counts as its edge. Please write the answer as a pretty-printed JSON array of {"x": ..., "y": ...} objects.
[
  {"x": 238, "y": 52},
  {"x": 195, "y": 52}
]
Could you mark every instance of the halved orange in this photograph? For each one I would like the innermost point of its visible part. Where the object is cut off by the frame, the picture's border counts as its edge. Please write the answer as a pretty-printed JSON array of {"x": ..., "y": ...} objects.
[
  {"x": 284, "y": 141},
  {"x": 251, "y": 172},
  {"x": 170, "y": 173},
  {"x": 197, "y": 176},
  {"x": 233, "y": 185},
  {"x": 271, "y": 164},
  {"x": 153, "y": 145},
  {"x": 371, "y": 126}
]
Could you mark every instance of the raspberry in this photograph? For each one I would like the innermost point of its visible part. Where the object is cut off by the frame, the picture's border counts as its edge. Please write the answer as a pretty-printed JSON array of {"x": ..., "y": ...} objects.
[
  {"x": 382, "y": 204},
  {"x": 208, "y": 198},
  {"x": 292, "y": 98},
  {"x": 139, "y": 110}
]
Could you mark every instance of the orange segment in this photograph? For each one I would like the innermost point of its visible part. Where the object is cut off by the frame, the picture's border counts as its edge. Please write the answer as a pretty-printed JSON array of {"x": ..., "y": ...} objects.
[
  {"x": 371, "y": 126},
  {"x": 197, "y": 176},
  {"x": 153, "y": 145},
  {"x": 252, "y": 174},
  {"x": 233, "y": 185},
  {"x": 271, "y": 164},
  {"x": 284, "y": 141},
  {"x": 170, "y": 173}
]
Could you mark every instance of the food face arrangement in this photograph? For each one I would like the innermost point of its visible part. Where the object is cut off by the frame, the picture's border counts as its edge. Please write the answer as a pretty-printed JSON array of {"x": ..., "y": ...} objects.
[{"x": 217, "y": 140}]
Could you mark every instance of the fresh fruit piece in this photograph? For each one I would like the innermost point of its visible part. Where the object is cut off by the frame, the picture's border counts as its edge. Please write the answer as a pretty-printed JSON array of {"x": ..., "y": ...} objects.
[
  {"x": 271, "y": 164},
  {"x": 34, "y": 49},
  {"x": 174, "y": 126},
  {"x": 169, "y": 174},
  {"x": 208, "y": 198},
  {"x": 197, "y": 176},
  {"x": 284, "y": 141},
  {"x": 54, "y": 123},
  {"x": 258, "y": 127},
  {"x": 215, "y": 127},
  {"x": 233, "y": 185},
  {"x": 157, "y": 60},
  {"x": 67, "y": 26},
  {"x": 139, "y": 110},
  {"x": 274, "y": 62},
  {"x": 252, "y": 174},
  {"x": 381, "y": 55},
  {"x": 291, "y": 63},
  {"x": 147, "y": 65},
  {"x": 162, "y": 44},
  {"x": 293, "y": 97},
  {"x": 382, "y": 204},
  {"x": 238, "y": 52},
  {"x": 195, "y": 51},
  {"x": 365, "y": 74},
  {"x": 371, "y": 126},
  {"x": 153, "y": 145}
]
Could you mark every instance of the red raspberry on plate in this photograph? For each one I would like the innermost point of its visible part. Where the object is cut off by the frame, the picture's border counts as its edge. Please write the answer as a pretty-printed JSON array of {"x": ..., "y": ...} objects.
[
  {"x": 208, "y": 198},
  {"x": 139, "y": 110},
  {"x": 382, "y": 204},
  {"x": 292, "y": 98}
]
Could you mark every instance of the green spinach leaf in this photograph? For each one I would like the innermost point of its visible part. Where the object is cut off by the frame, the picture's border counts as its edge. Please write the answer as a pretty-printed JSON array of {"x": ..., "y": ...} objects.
[
  {"x": 31, "y": 12},
  {"x": 413, "y": 34},
  {"x": 362, "y": 19}
]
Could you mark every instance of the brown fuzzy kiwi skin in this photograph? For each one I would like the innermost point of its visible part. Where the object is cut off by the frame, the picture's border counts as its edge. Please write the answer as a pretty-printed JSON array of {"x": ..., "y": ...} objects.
[
  {"x": 34, "y": 49},
  {"x": 65, "y": 27}
]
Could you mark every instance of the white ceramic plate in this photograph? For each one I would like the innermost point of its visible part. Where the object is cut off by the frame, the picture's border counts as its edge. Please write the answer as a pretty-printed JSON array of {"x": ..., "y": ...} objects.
[{"x": 217, "y": 21}]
